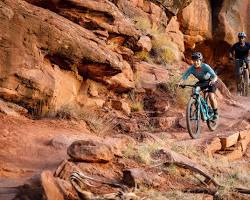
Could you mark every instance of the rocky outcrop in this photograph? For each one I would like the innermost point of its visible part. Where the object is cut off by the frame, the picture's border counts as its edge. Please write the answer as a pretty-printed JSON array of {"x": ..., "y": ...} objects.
[
  {"x": 232, "y": 18},
  {"x": 149, "y": 76},
  {"x": 66, "y": 44},
  {"x": 196, "y": 22},
  {"x": 89, "y": 151},
  {"x": 55, "y": 51}
]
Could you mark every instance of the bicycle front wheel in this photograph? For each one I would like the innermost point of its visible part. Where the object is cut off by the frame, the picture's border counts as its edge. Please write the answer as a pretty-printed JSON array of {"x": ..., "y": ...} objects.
[
  {"x": 246, "y": 82},
  {"x": 193, "y": 118}
]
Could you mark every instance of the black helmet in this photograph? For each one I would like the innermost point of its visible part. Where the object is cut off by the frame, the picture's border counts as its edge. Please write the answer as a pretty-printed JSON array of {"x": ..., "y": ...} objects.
[
  {"x": 242, "y": 34},
  {"x": 197, "y": 56}
]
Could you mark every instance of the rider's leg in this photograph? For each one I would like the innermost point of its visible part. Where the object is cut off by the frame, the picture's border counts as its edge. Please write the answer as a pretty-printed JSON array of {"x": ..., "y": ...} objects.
[
  {"x": 213, "y": 100},
  {"x": 247, "y": 61},
  {"x": 238, "y": 64}
]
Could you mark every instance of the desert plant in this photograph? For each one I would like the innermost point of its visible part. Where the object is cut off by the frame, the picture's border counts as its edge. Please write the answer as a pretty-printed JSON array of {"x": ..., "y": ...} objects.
[
  {"x": 136, "y": 106},
  {"x": 96, "y": 122},
  {"x": 163, "y": 51},
  {"x": 143, "y": 55},
  {"x": 142, "y": 152}
]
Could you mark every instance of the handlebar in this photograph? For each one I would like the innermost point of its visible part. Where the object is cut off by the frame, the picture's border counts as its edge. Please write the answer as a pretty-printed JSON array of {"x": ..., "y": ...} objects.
[{"x": 188, "y": 85}]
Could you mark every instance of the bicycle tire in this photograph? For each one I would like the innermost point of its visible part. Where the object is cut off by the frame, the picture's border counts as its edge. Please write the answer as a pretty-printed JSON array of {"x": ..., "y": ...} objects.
[
  {"x": 246, "y": 82},
  {"x": 212, "y": 125},
  {"x": 240, "y": 86},
  {"x": 193, "y": 133}
]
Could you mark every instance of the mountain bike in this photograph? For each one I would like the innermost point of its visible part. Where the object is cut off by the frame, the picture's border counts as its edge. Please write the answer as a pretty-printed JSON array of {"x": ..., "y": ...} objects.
[
  {"x": 198, "y": 108},
  {"x": 243, "y": 79}
]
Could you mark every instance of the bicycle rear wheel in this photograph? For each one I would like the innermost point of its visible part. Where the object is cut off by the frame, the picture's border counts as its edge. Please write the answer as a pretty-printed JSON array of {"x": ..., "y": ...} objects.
[
  {"x": 212, "y": 124},
  {"x": 193, "y": 118},
  {"x": 245, "y": 82}
]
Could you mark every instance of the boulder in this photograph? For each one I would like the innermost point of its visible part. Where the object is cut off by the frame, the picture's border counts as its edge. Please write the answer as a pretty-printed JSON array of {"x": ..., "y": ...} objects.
[
  {"x": 235, "y": 154},
  {"x": 230, "y": 140},
  {"x": 148, "y": 76},
  {"x": 90, "y": 151},
  {"x": 213, "y": 146},
  {"x": 122, "y": 82},
  {"x": 12, "y": 109},
  {"x": 145, "y": 43},
  {"x": 121, "y": 105}
]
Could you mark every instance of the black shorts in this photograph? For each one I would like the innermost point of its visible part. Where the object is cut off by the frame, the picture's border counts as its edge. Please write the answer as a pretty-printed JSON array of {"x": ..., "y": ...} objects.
[{"x": 205, "y": 85}]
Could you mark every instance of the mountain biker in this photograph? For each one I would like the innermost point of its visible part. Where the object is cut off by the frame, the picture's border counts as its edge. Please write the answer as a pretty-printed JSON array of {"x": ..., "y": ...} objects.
[
  {"x": 206, "y": 76},
  {"x": 240, "y": 51}
]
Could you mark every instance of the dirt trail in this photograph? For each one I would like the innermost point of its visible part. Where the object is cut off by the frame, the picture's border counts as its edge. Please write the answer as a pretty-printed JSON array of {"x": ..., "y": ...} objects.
[{"x": 26, "y": 148}]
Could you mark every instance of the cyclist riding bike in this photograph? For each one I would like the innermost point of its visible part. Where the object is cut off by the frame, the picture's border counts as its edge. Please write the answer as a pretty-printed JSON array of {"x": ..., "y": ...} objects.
[
  {"x": 240, "y": 52},
  {"x": 207, "y": 79}
]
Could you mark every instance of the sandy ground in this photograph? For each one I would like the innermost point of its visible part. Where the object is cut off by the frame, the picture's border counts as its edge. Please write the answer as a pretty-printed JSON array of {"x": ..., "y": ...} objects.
[{"x": 26, "y": 146}]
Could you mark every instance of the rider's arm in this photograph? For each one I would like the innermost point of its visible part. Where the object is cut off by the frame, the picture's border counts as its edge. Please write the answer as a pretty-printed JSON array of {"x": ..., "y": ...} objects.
[
  {"x": 213, "y": 76},
  {"x": 248, "y": 44},
  {"x": 187, "y": 73},
  {"x": 232, "y": 51}
]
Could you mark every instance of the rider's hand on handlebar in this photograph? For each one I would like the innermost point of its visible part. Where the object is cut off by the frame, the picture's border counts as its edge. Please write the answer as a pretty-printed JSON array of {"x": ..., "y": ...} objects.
[
  {"x": 212, "y": 82},
  {"x": 179, "y": 84}
]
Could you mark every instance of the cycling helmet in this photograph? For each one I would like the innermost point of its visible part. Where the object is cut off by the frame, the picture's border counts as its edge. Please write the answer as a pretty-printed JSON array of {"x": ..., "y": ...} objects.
[
  {"x": 242, "y": 34},
  {"x": 197, "y": 56}
]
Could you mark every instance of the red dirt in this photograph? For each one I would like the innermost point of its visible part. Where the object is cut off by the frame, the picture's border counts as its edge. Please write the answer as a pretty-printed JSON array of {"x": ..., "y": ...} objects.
[{"x": 26, "y": 149}]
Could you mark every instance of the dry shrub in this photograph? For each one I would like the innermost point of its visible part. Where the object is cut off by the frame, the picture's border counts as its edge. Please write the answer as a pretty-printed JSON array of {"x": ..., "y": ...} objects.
[
  {"x": 178, "y": 95},
  {"x": 42, "y": 108},
  {"x": 136, "y": 106},
  {"x": 143, "y": 24},
  {"x": 97, "y": 123},
  {"x": 142, "y": 152},
  {"x": 144, "y": 56},
  {"x": 164, "y": 51}
]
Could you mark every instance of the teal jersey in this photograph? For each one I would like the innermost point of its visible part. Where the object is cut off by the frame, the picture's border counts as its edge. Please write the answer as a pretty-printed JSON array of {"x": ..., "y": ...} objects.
[{"x": 203, "y": 73}]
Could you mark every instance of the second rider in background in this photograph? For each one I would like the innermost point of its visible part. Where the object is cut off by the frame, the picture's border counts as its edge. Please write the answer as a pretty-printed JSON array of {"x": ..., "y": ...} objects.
[{"x": 240, "y": 51}]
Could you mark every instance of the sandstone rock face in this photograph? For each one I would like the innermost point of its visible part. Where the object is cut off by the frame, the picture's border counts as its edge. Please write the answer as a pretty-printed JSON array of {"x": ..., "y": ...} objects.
[
  {"x": 50, "y": 58},
  {"x": 89, "y": 151},
  {"x": 174, "y": 6},
  {"x": 148, "y": 76},
  {"x": 50, "y": 55},
  {"x": 233, "y": 18},
  {"x": 196, "y": 22},
  {"x": 174, "y": 33}
]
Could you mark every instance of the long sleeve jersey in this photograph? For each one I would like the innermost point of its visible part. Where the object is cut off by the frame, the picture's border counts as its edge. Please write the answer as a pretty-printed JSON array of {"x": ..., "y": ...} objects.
[{"x": 203, "y": 73}]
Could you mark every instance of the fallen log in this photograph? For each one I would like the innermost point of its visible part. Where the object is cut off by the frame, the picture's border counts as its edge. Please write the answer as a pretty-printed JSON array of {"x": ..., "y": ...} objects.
[
  {"x": 214, "y": 191},
  {"x": 179, "y": 160},
  {"x": 173, "y": 158}
]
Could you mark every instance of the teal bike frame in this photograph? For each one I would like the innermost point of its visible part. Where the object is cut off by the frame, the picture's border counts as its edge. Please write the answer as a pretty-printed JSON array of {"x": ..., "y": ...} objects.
[
  {"x": 206, "y": 110},
  {"x": 198, "y": 108}
]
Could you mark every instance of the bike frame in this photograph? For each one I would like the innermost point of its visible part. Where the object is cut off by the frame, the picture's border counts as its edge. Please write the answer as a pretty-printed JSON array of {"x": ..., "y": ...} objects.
[
  {"x": 240, "y": 82},
  {"x": 202, "y": 104}
]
